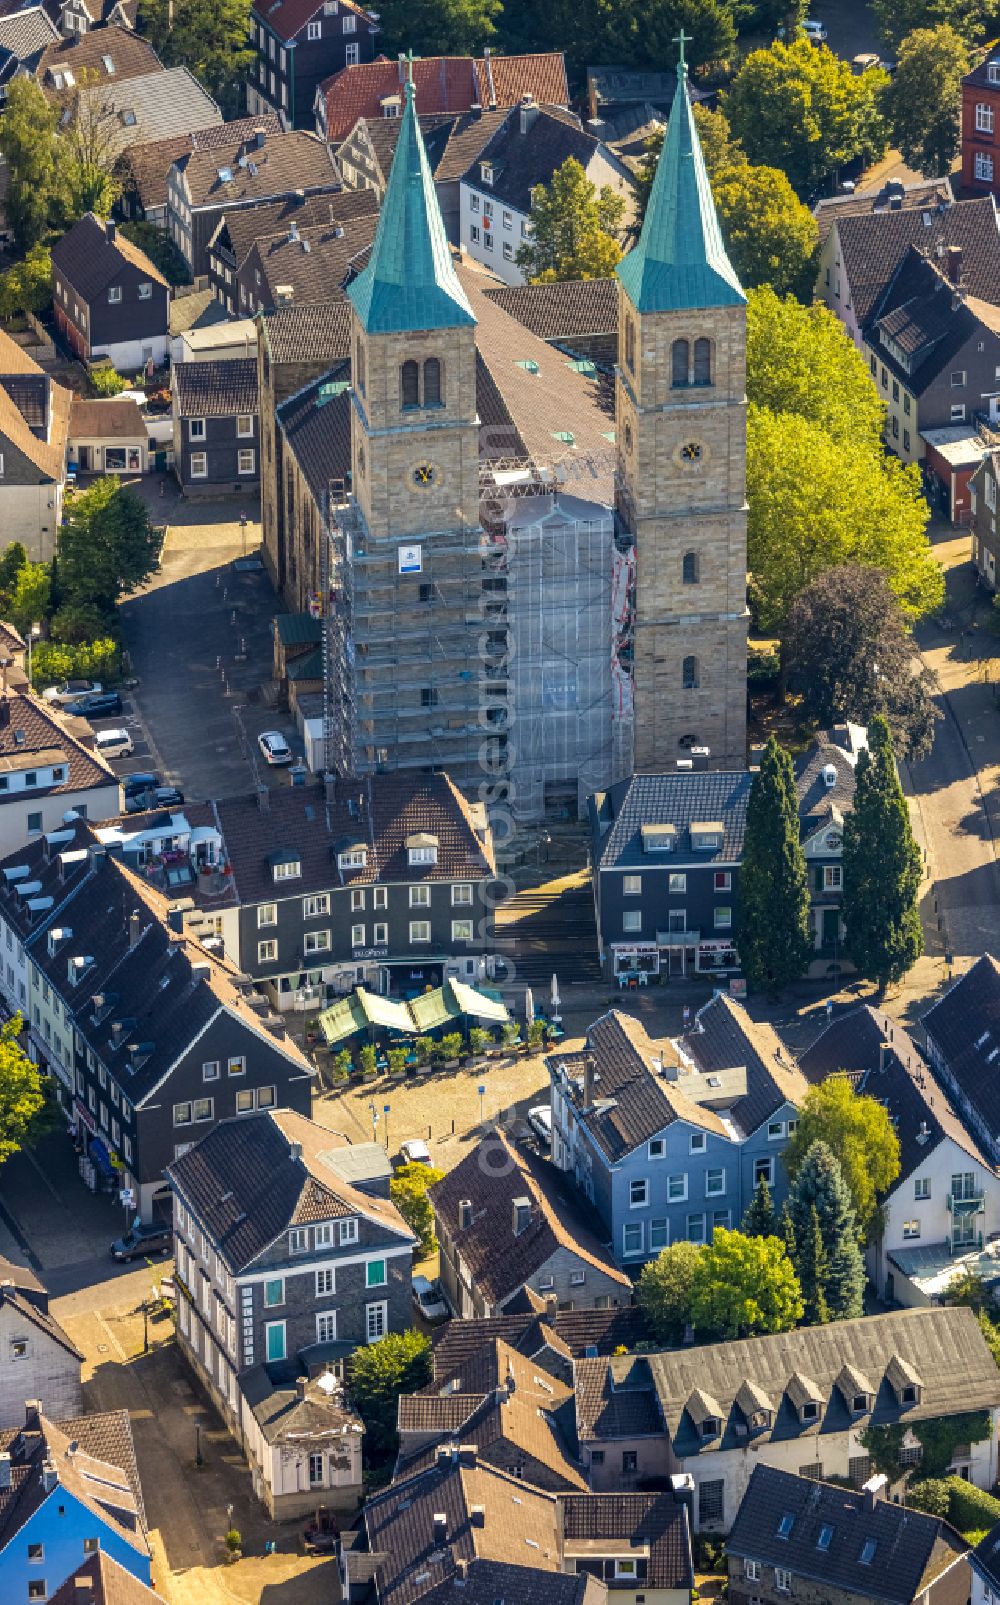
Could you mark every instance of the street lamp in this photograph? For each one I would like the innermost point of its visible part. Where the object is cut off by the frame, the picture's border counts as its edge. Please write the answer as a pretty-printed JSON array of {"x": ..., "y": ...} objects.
[{"x": 33, "y": 634}]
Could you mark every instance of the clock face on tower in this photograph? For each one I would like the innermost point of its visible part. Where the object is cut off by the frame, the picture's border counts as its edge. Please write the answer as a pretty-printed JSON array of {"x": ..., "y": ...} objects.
[
  {"x": 425, "y": 475},
  {"x": 691, "y": 454}
]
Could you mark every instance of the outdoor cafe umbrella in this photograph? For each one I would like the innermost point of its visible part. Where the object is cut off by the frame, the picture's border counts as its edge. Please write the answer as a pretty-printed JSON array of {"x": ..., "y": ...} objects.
[
  {"x": 554, "y": 1000},
  {"x": 529, "y": 1006}
]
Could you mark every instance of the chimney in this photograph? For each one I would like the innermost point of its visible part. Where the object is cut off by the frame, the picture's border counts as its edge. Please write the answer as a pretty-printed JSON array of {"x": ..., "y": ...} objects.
[
  {"x": 295, "y": 1151},
  {"x": 112, "y": 231},
  {"x": 464, "y": 1213},
  {"x": 467, "y": 1454},
  {"x": 924, "y": 1133},
  {"x": 873, "y": 1490},
  {"x": 50, "y": 1476},
  {"x": 521, "y": 1215},
  {"x": 478, "y": 1515},
  {"x": 589, "y": 1069},
  {"x": 5, "y": 1470},
  {"x": 883, "y": 1055},
  {"x": 529, "y": 112},
  {"x": 301, "y": 1383},
  {"x": 259, "y": 139},
  {"x": 440, "y": 1527},
  {"x": 954, "y": 266},
  {"x": 32, "y": 1415},
  {"x": 200, "y": 972},
  {"x": 488, "y": 64},
  {"x": 682, "y": 1488},
  {"x": 134, "y": 927},
  {"x": 402, "y": 68}
]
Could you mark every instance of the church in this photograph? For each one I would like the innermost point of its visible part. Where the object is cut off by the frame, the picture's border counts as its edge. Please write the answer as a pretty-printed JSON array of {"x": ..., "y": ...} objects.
[{"x": 530, "y": 561}]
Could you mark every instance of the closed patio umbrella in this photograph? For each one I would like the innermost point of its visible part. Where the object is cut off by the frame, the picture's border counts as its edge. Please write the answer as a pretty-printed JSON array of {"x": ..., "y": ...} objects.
[
  {"x": 529, "y": 1006},
  {"x": 554, "y": 1000}
]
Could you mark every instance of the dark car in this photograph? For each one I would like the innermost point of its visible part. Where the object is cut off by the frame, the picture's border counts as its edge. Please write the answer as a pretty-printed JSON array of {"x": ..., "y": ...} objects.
[
  {"x": 141, "y": 780},
  {"x": 142, "y": 1239},
  {"x": 97, "y": 706},
  {"x": 157, "y": 797}
]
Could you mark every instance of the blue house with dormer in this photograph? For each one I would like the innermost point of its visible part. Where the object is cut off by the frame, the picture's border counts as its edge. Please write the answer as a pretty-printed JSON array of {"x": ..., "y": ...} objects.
[
  {"x": 68, "y": 1490},
  {"x": 668, "y": 1140}
]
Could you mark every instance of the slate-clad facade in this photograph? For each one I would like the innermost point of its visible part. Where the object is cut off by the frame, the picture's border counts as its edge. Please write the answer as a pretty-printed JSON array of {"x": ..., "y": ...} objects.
[
  {"x": 110, "y": 300},
  {"x": 299, "y": 43},
  {"x": 216, "y": 427}
]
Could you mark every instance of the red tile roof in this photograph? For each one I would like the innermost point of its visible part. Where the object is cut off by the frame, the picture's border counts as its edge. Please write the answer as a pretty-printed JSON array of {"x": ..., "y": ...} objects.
[
  {"x": 443, "y": 84},
  {"x": 288, "y": 17}
]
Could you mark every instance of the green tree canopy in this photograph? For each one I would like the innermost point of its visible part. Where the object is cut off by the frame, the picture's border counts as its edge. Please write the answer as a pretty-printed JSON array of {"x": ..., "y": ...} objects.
[
  {"x": 815, "y": 503},
  {"x": 803, "y": 110},
  {"x": 859, "y": 1133},
  {"x": 772, "y": 928},
  {"x": 924, "y": 103},
  {"x": 663, "y": 1291},
  {"x": 760, "y": 1218},
  {"x": 770, "y": 236},
  {"x": 438, "y": 27},
  {"x": 377, "y": 1374},
  {"x": 882, "y": 870},
  {"x": 573, "y": 228},
  {"x": 31, "y": 595},
  {"x": 898, "y": 19},
  {"x": 160, "y": 249},
  {"x": 90, "y": 135},
  {"x": 743, "y": 1286},
  {"x": 408, "y": 1191},
  {"x": 21, "y": 1095},
  {"x": 27, "y": 286},
  {"x": 800, "y": 359},
  {"x": 633, "y": 33},
  {"x": 828, "y": 1260},
  {"x": 848, "y": 651},
  {"x": 209, "y": 37},
  {"x": 29, "y": 144},
  {"x": 107, "y": 545}
]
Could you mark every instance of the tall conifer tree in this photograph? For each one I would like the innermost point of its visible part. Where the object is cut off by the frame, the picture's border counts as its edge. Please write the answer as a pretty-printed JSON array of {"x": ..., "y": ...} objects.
[{"x": 772, "y": 932}]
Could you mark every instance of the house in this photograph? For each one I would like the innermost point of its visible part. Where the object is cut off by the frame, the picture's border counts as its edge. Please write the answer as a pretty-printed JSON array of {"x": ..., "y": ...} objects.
[
  {"x": 798, "y": 1401},
  {"x": 148, "y": 1037},
  {"x": 534, "y": 1326},
  {"x": 144, "y": 167},
  {"x": 502, "y": 1227},
  {"x": 110, "y": 299},
  {"x": 68, "y": 1489},
  {"x": 983, "y": 521},
  {"x": 99, "y": 1580},
  {"x": 496, "y": 189},
  {"x": 300, "y": 43},
  {"x": 984, "y": 1564},
  {"x": 150, "y": 107},
  {"x": 942, "y": 1214},
  {"x": 981, "y": 127},
  {"x": 793, "y": 1535},
  {"x": 48, "y": 766},
  {"x": 216, "y": 431},
  {"x": 933, "y": 350},
  {"x": 963, "y": 1043},
  {"x": 284, "y": 1267},
  {"x": 669, "y": 1140},
  {"x": 98, "y": 55},
  {"x": 321, "y": 263},
  {"x": 83, "y": 16},
  {"x": 253, "y": 170},
  {"x": 108, "y": 437},
  {"x": 37, "y": 1358},
  {"x": 365, "y": 154},
  {"x": 444, "y": 84},
  {"x": 825, "y": 777},
  {"x": 25, "y": 35},
  {"x": 34, "y": 424}
]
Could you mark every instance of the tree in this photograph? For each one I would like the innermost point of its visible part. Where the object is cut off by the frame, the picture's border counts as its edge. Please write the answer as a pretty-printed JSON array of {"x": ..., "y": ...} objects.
[
  {"x": 772, "y": 931},
  {"x": 90, "y": 145},
  {"x": 438, "y": 27},
  {"x": 743, "y": 1286},
  {"x": 29, "y": 145},
  {"x": 408, "y": 1191},
  {"x": 813, "y": 1270},
  {"x": 107, "y": 382},
  {"x": 378, "y": 1373},
  {"x": 859, "y": 1133},
  {"x": 27, "y": 286},
  {"x": 848, "y": 651},
  {"x": 760, "y": 1219},
  {"x": 837, "y": 1273},
  {"x": 572, "y": 228},
  {"x": 209, "y": 37},
  {"x": 882, "y": 868},
  {"x": 898, "y": 19},
  {"x": 160, "y": 249},
  {"x": 770, "y": 236},
  {"x": 12, "y": 560},
  {"x": 107, "y": 545},
  {"x": 663, "y": 1291},
  {"x": 31, "y": 596},
  {"x": 801, "y": 109},
  {"x": 924, "y": 102},
  {"x": 800, "y": 359},
  {"x": 815, "y": 503},
  {"x": 21, "y": 1095},
  {"x": 633, "y": 33}
]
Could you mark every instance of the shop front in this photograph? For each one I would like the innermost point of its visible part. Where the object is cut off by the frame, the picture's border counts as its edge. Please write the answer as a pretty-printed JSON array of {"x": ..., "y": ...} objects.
[
  {"x": 716, "y": 956},
  {"x": 632, "y": 960}
]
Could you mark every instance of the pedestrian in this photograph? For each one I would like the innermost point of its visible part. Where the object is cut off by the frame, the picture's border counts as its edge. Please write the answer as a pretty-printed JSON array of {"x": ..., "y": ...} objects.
[{"x": 687, "y": 1015}]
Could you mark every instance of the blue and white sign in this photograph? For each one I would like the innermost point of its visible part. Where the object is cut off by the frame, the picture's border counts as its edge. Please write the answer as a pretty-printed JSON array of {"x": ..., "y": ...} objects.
[{"x": 410, "y": 560}]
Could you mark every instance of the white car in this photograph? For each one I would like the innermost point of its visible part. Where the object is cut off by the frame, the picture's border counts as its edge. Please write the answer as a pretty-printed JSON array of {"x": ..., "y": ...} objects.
[
  {"x": 428, "y": 1299},
  {"x": 415, "y": 1152},
  {"x": 816, "y": 31},
  {"x": 69, "y": 690},
  {"x": 274, "y": 747},
  {"x": 113, "y": 743},
  {"x": 540, "y": 1121}
]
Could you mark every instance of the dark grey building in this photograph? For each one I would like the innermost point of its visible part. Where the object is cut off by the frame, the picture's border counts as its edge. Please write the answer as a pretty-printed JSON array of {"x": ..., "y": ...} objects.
[
  {"x": 110, "y": 300},
  {"x": 216, "y": 427},
  {"x": 300, "y": 43},
  {"x": 237, "y": 233}
]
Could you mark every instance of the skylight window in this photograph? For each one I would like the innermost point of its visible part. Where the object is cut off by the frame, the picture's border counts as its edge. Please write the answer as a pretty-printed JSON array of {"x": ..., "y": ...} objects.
[
  {"x": 868, "y": 1551},
  {"x": 128, "y": 118},
  {"x": 786, "y": 1524},
  {"x": 109, "y": 66},
  {"x": 225, "y": 175},
  {"x": 528, "y": 364},
  {"x": 825, "y": 1538},
  {"x": 565, "y": 435}
]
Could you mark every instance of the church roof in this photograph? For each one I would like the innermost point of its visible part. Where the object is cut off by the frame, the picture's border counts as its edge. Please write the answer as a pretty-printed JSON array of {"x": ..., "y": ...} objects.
[
  {"x": 680, "y": 260},
  {"x": 410, "y": 281}
]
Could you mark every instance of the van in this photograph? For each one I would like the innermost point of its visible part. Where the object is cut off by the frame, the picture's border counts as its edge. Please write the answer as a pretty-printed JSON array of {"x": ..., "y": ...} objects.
[{"x": 113, "y": 743}]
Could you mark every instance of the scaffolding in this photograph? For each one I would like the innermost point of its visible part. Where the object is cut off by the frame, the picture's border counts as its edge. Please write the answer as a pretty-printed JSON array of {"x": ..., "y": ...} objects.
[{"x": 337, "y": 547}]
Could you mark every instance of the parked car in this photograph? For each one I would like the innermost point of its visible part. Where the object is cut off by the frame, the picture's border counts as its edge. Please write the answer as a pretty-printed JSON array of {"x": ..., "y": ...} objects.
[
  {"x": 429, "y": 1299},
  {"x": 815, "y": 31},
  {"x": 69, "y": 690},
  {"x": 864, "y": 62},
  {"x": 139, "y": 780},
  {"x": 274, "y": 747},
  {"x": 97, "y": 705},
  {"x": 540, "y": 1121},
  {"x": 114, "y": 744},
  {"x": 155, "y": 797},
  {"x": 415, "y": 1152},
  {"x": 142, "y": 1239}
]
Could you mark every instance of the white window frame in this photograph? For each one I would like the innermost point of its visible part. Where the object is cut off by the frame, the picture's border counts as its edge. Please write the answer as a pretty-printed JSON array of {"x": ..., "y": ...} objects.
[
  {"x": 715, "y": 1192},
  {"x": 325, "y": 1316},
  {"x": 267, "y": 952},
  {"x": 635, "y": 1183},
  {"x": 376, "y": 1316},
  {"x": 196, "y": 429},
  {"x": 246, "y": 461},
  {"x": 462, "y": 931},
  {"x": 317, "y": 942},
  {"x": 677, "y": 1197},
  {"x": 114, "y": 295},
  {"x": 244, "y": 426},
  {"x": 314, "y": 29},
  {"x": 697, "y": 1142},
  {"x": 631, "y": 885},
  {"x": 199, "y": 465},
  {"x": 420, "y": 930}
]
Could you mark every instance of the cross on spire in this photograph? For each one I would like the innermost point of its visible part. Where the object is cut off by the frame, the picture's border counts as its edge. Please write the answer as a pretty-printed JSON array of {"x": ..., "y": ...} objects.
[{"x": 682, "y": 39}]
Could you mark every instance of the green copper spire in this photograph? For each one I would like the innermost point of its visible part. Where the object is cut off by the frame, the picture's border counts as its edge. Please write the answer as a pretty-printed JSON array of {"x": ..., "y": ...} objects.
[
  {"x": 410, "y": 281},
  {"x": 680, "y": 260}
]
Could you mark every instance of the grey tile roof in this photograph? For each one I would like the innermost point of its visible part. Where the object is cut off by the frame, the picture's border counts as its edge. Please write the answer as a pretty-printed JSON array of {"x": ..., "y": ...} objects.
[
  {"x": 156, "y": 104},
  {"x": 26, "y": 33},
  {"x": 616, "y": 1399},
  {"x": 246, "y": 1184},
  {"x": 308, "y": 262},
  {"x": 285, "y": 163},
  {"x": 965, "y": 1027},
  {"x": 943, "y": 1345},
  {"x": 147, "y": 163},
  {"x": 309, "y": 333},
  {"x": 985, "y": 1557},
  {"x": 101, "y": 1580},
  {"x": 560, "y": 311},
  {"x": 679, "y": 800},
  {"x": 94, "y": 1457},
  {"x": 921, "y": 315},
  {"x": 243, "y": 226},
  {"x": 837, "y": 749},
  {"x": 873, "y": 246},
  {"x": 92, "y": 253},
  {"x": 29, "y": 1309},
  {"x": 45, "y": 730},
  {"x": 216, "y": 389},
  {"x": 460, "y": 1342},
  {"x": 304, "y": 1418},
  {"x": 316, "y": 425},
  {"x": 924, "y": 195},
  {"x": 652, "y": 1522},
  {"x": 522, "y": 161},
  {"x": 907, "y": 1550},
  {"x": 725, "y": 1035}
]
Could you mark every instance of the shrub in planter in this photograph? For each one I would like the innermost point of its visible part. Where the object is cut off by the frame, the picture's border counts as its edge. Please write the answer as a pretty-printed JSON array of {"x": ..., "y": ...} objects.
[
  {"x": 510, "y": 1034},
  {"x": 451, "y": 1045},
  {"x": 342, "y": 1062},
  {"x": 234, "y": 1544},
  {"x": 367, "y": 1060},
  {"x": 423, "y": 1048},
  {"x": 397, "y": 1061},
  {"x": 536, "y": 1033},
  {"x": 479, "y": 1040}
]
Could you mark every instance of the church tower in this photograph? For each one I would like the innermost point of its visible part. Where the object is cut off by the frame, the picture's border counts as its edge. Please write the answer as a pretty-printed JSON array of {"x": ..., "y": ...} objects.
[
  {"x": 681, "y": 434},
  {"x": 417, "y": 565}
]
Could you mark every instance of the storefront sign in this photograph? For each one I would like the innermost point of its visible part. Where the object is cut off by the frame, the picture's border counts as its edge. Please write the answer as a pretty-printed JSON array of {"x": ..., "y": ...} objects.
[
  {"x": 83, "y": 1114},
  {"x": 633, "y": 949},
  {"x": 371, "y": 953}
]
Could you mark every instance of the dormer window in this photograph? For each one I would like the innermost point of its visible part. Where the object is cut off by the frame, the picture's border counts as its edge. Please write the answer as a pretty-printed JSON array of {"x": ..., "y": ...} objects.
[
  {"x": 786, "y": 1524},
  {"x": 993, "y": 72},
  {"x": 859, "y": 1404},
  {"x": 908, "y": 1394},
  {"x": 486, "y": 171},
  {"x": 287, "y": 869},
  {"x": 810, "y": 1411},
  {"x": 421, "y": 848},
  {"x": 710, "y": 1427},
  {"x": 353, "y": 858}
]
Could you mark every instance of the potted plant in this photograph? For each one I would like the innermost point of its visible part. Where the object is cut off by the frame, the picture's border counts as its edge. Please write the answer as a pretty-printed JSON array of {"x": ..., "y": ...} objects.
[
  {"x": 479, "y": 1041},
  {"x": 397, "y": 1062},
  {"x": 312, "y": 1028},
  {"x": 536, "y": 1033},
  {"x": 367, "y": 1060},
  {"x": 341, "y": 1066},
  {"x": 234, "y": 1545},
  {"x": 451, "y": 1048},
  {"x": 511, "y": 1034},
  {"x": 423, "y": 1048}
]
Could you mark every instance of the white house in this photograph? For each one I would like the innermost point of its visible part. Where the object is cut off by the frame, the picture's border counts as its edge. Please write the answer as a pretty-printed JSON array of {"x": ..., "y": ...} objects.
[{"x": 37, "y": 1359}]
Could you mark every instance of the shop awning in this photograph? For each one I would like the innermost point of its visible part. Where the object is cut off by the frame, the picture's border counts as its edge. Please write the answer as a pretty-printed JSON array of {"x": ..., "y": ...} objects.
[
  {"x": 342, "y": 1020},
  {"x": 429, "y": 1012},
  {"x": 477, "y": 1004},
  {"x": 384, "y": 1012}
]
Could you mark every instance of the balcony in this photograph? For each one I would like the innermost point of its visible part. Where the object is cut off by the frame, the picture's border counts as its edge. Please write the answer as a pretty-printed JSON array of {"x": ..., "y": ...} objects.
[{"x": 966, "y": 1203}]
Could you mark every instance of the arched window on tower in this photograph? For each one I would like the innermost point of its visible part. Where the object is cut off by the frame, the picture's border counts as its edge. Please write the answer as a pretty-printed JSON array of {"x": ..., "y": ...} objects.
[
  {"x": 410, "y": 384},
  {"x": 630, "y": 345},
  {"x": 703, "y": 362},
  {"x": 679, "y": 361},
  {"x": 689, "y": 674},
  {"x": 432, "y": 382},
  {"x": 359, "y": 365},
  {"x": 689, "y": 569}
]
